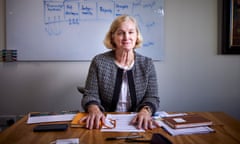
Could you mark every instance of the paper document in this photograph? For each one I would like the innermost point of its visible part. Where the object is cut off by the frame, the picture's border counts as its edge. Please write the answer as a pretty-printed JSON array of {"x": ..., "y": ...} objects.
[
  {"x": 67, "y": 141},
  {"x": 122, "y": 123},
  {"x": 162, "y": 114},
  {"x": 49, "y": 118}
]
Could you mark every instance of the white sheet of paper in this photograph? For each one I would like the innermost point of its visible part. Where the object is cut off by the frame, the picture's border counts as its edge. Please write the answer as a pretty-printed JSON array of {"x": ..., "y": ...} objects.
[
  {"x": 68, "y": 141},
  {"x": 50, "y": 118},
  {"x": 161, "y": 114},
  {"x": 122, "y": 123}
]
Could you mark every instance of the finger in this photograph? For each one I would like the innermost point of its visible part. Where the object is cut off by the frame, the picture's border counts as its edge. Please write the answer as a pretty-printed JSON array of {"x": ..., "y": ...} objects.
[
  {"x": 91, "y": 122},
  {"x": 134, "y": 120},
  {"x": 140, "y": 123},
  {"x": 155, "y": 123},
  {"x": 145, "y": 124},
  {"x": 102, "y": 119},
  {"x": 83, "y": 119},
  {"x": 87, "y": 121},
  {"x": 97, "y": 121},
  {"x": 150, "y": 124}
]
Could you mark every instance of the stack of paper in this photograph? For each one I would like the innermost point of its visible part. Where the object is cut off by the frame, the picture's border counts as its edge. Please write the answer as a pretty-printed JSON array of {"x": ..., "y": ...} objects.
[
  {"x": 181, "y": 131},
  {"x": 47, "y": 117},
  {"x": 185, "y": 131}
]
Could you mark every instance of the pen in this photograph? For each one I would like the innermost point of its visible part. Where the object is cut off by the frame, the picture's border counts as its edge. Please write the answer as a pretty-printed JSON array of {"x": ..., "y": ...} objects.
[{"x": 123, "y": 137}]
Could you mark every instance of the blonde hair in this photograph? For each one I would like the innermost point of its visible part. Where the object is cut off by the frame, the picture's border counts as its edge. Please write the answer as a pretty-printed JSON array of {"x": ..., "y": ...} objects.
[{"x": 108, "y": 41}]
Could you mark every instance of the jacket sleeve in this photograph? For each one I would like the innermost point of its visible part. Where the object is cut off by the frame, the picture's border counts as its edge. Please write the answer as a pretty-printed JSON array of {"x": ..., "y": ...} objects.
[
  {"x": 151, "y": 97},
  {"x": 91, "y": 94}
]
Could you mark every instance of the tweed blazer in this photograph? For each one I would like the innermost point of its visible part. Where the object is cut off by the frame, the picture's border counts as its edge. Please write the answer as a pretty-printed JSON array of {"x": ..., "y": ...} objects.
[{"x": 101, "y": 81}]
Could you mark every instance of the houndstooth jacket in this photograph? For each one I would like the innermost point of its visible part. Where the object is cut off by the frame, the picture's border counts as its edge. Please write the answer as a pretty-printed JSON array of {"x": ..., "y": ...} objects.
[{"x": 101, "y": 84}]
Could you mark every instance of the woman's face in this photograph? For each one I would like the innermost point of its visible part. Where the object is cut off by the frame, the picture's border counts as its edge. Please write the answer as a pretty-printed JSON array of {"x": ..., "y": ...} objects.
[{"x": 125, "y": 36}]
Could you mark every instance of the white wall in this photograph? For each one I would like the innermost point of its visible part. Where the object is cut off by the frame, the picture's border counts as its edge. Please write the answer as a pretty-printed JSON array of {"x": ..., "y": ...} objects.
[
  {"x": 2, "y": 24},
  {"x": 193, "y": 77}
]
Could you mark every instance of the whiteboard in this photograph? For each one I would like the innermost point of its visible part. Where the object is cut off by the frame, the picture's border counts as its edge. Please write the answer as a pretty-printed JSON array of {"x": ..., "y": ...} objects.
[{"x": 73, "y": 30}]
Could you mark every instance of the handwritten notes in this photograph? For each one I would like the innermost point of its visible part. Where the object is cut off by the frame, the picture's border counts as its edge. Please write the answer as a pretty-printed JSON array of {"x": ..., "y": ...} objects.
[{"x": 73, "y": 30}]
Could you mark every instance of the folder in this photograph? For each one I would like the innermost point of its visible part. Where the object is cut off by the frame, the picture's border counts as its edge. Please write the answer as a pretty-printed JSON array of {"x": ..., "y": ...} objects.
[
  {"x": 76, "y": 120},
  {"x": 77, "y": 123}
]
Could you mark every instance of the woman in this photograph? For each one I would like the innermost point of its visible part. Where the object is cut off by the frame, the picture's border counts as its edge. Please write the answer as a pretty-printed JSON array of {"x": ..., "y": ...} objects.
[{"x": 121, "y": 80}]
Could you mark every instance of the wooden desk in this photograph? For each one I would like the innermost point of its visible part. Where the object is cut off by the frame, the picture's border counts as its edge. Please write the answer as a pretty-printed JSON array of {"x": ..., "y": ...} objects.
[{"x": 227, "y": 132}]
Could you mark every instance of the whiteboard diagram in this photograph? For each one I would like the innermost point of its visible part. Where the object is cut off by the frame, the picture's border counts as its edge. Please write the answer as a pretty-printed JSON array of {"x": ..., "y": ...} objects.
[{"x": 73, "y": 30}]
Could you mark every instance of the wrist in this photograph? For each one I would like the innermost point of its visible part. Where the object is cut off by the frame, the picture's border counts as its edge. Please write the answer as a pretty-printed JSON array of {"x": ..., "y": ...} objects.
[
  {"x": 147, "y": 109},
  {"x": 92, "y": 108}
]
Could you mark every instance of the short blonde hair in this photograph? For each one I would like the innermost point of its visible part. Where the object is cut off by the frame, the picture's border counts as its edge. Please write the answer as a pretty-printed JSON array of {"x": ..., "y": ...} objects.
[{"x": 108, "y": 41}]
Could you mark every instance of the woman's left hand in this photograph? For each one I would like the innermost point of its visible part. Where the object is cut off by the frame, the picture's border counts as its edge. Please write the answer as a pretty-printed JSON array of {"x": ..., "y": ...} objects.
[{"x": 143, "y": 120}]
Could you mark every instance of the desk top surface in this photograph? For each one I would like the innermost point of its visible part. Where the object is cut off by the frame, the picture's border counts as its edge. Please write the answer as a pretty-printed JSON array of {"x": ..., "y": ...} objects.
[{"x": 227, "y": 132}]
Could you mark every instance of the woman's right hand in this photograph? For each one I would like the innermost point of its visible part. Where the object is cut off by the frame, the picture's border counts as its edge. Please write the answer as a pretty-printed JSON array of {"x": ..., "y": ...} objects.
[{"x": 94, "y": 117}]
